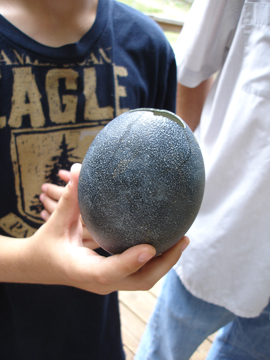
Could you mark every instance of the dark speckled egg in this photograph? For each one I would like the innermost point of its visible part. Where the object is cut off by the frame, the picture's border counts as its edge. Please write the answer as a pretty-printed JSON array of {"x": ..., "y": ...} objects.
[{"x": 141, "y": 181}]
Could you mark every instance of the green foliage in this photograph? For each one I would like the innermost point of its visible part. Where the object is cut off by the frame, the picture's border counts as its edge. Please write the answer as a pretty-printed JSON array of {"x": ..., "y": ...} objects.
[
  {"x": 143, "y": 7},
  {"x": 168, "y": 9},
  {"x": 171, "y": 37},
  {"x": 158, "y": 6}
]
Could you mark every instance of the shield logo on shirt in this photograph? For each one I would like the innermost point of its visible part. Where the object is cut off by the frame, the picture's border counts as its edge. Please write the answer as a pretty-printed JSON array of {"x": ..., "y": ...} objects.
[{"x": 38, "y": 155}]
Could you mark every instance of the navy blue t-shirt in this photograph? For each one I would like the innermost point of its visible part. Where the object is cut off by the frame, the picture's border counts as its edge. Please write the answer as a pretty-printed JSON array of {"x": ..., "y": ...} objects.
[{"x": 53, "y": 102}]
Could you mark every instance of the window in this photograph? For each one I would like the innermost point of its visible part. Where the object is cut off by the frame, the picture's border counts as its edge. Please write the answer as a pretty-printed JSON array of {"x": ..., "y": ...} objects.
[{"x": 170, "y": 14}]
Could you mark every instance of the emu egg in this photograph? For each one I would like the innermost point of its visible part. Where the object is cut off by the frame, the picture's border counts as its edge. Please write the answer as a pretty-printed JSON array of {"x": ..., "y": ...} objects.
[{"x": 141, "y": 181}]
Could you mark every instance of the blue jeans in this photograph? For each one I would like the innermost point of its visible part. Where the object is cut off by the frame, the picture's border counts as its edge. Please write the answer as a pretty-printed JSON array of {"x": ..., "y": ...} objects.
[{"x": 181, "y": 322}]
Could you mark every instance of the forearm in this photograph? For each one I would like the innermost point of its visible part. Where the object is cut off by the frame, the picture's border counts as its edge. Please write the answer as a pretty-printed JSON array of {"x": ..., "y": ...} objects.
[
  {"x": 190, "y": 102},
  {"x": 55, "y": 255},
  {"x": 13, "y": 262},
  {"x": 25, "y": 260}
]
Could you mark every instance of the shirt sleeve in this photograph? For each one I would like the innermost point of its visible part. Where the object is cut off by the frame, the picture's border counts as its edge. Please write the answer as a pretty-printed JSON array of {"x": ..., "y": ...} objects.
[
  {"x": 204, "y": 42},
  {"x": 167, "y": 88}
]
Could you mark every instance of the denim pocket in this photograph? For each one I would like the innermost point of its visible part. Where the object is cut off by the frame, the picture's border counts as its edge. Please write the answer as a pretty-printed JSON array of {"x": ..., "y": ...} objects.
[{"x": 256, "y": 66}]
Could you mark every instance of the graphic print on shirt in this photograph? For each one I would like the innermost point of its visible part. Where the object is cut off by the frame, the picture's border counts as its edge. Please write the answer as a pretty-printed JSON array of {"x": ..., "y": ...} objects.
[{"x": 54, "y": 115}]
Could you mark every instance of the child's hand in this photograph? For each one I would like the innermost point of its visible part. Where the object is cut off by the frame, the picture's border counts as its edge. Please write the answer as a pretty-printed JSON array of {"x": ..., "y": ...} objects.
[
  {"x": 55, "y": 254},
  {"x": 50, "y": 197}
]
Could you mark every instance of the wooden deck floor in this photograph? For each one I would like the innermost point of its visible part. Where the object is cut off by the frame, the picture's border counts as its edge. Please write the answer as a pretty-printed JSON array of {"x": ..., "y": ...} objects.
[{"x": 135, "y": 309}]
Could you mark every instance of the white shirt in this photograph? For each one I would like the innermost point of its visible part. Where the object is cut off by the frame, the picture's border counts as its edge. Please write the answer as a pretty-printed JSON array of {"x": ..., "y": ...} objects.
[{"x": 228, "y": 260}]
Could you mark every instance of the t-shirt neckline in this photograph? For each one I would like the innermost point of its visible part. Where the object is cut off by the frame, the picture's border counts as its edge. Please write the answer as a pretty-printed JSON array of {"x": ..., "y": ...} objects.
[{"x": 66, "y": 52}]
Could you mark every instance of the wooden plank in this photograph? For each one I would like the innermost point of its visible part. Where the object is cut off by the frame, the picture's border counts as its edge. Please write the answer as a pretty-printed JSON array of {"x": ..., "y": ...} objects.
[
  {"x": 201, "y": 352},
  {"x": 132, "y": 328},
  {"x": 212, "y": 337},
  {"x": 135, "y": 310},
  {"x": 168, "y": 24},
  {"x": 129, "y": 354},
  {"x": 140, "y": 302},
  {"x": 155, "y": 291}
]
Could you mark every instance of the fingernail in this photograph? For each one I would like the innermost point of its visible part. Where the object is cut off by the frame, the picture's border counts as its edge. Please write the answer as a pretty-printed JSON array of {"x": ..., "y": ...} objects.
[
  {"x": 184, "y": 245},
  {"x": 44, "y": 188},
  {"x": 70, "y": 180},
  {"x": 71, "y": 175},
  {"x": 41, "y": 197},
  {"x": 42, "y": 215},
  {"x": 144, "y": 257}
]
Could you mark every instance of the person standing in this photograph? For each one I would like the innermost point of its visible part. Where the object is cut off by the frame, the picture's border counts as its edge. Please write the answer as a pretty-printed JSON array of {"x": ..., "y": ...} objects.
[
  {"x": 67, "y": 69},
  {"x": 223, "y": 279}
]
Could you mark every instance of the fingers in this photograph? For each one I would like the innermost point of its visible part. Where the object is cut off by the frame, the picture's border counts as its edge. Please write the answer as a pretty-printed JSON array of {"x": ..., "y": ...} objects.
[
  {"x": 67, "y": 209},
  {"x": 64, "y": 175},
  {"x": 87, "y": 238},
  {"x": 49, "y": 198},
  {"x": 53, "y": 191},
  {"x": 156, "y": 268},
  {"x": 86, "y": 234},
  {"x": 45, "y": 215},
  {"x": 137, "y": 268},
  {"x": 89, "y": 242},
  {"x": 113, "y": 269},
  {"x": 48, "y": 203}
]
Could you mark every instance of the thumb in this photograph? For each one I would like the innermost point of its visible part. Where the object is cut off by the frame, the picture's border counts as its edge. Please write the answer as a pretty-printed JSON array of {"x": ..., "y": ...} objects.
[
  {"x": 125, "y": 264},
  {"x": 64, "y": 175},
  {"x": 67, "y": 209}
]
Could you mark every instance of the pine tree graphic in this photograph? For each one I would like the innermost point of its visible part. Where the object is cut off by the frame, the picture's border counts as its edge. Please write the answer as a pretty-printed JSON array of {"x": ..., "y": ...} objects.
[
  {"x": 37, "y": 206},
  {"x": 63, "y": 161}
]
